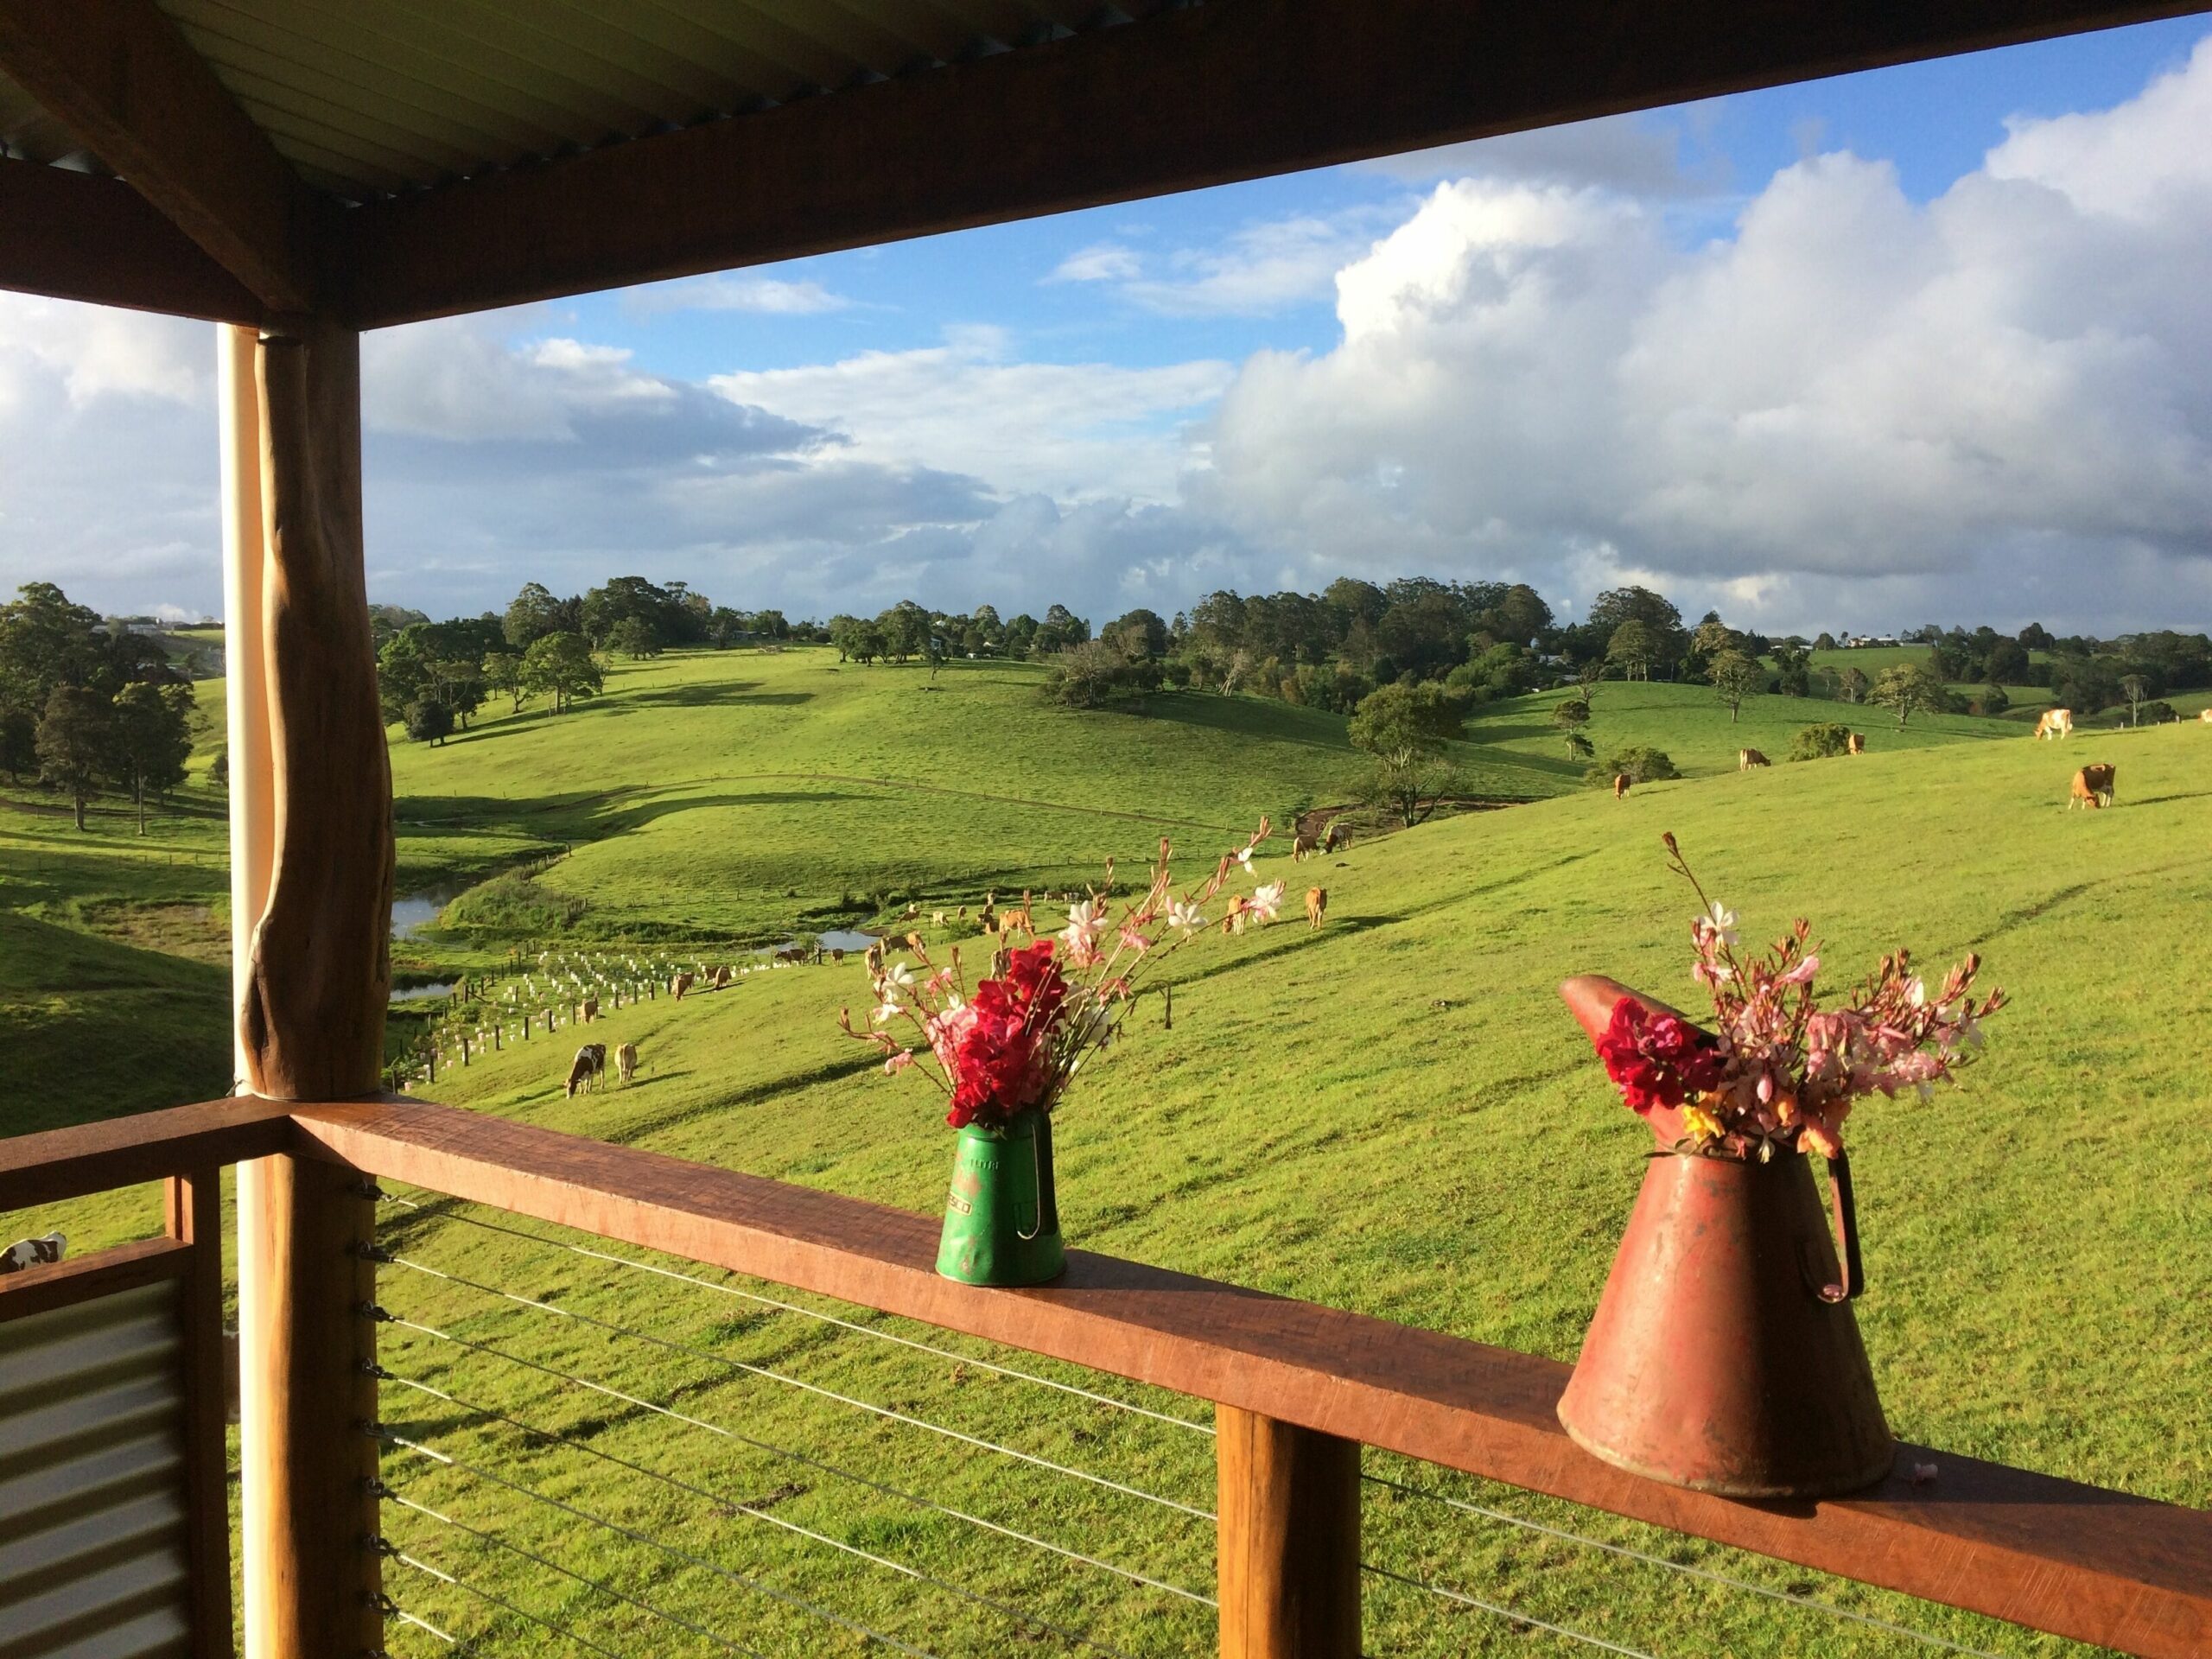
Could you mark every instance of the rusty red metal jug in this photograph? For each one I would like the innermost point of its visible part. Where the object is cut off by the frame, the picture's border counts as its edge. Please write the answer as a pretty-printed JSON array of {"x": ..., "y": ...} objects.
[{"x": 1725, "y": 1357}]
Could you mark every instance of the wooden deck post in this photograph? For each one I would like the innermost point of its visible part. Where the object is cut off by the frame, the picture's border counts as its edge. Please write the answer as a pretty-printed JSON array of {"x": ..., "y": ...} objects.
[
  {"x": 1289, "y": 1555},
  {"x": 312, "y": 862}
]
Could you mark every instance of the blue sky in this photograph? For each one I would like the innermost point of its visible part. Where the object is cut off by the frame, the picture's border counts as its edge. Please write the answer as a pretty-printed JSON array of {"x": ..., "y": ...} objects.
[{"x": 1923, "y": 343}]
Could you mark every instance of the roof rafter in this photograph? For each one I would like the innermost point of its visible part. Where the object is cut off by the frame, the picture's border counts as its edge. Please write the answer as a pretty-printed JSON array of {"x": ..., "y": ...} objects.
[
  {"x": 1234, "y": 89},
  {"x": 76, "y": 237},
  {"x": 120, "y": 76}
]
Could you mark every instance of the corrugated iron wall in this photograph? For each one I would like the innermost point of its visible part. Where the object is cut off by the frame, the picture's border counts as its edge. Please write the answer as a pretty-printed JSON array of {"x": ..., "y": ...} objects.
[{"x": 93, "y": 1555}]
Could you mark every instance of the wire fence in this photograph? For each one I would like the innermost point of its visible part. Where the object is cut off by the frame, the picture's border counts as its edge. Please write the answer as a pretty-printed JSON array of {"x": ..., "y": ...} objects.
[{"x": 588, "y": 1451}]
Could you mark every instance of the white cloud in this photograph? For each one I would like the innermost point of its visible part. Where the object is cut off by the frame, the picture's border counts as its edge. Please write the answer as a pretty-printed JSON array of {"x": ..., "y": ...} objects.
[
  {"x": 1637, "y": 154},
  {"x": 770, "y": 296},
  {"x": 1069, "y": 430},
  {"x": 1854, "y": 407},
  {"x": 1260, "y": 270},
  {"x": 1101, "y": 261}
]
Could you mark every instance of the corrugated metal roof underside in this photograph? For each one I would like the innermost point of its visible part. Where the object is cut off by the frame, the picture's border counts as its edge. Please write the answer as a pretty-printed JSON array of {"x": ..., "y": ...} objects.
[
  {"x": 368, "y": 97},
  {"x": 93, "y": 1561}
]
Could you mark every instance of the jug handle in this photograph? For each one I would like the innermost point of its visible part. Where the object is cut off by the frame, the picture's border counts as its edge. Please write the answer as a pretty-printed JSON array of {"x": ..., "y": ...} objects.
[{"x": 1847, "y": 1231}]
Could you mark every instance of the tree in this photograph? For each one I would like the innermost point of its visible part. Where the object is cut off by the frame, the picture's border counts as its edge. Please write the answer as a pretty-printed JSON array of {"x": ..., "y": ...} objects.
[
  {"x": 76, "y": 736},
  {"x": 1578, "y": 746},
  {"x": 1630, "y": 648},
  {"x": 1851, "y": 685},
  {"x": 1098, "y": 672},
  {"x": 1406, "y": 727},
  {"x": 2136, "y": 688},
  {"x": 1826, "y": 642},
  {"x": 2006, "y": 663},
  {"x": 1638, "y": 764},
  {"x": 561, "y": 665},
  {"x": 219, "y": 774},
  {"x": 1911, "y": 688},
  {"x": 1817, "y": 742},
  {"x": 1618, "y": 605},
  {"x": 152, "y": 740},
  {"x": 1735, "y": 676},
  {"x": 635, "y": 638},
  {"x": 1569, "y": 715},
  {"x": 18, "y": 743},
  {"x": 429, "y": 721},
  {"x": 503, "y": 673},
  {"x": 1994, "y": 700},
  {"x": 1139, "y": 633},
  {"x": 1588, "y": 678},
  {"x": 1793, "y": 670},
  {"x": 906, "y": 630},
  {"x": 532, "y": 615}
]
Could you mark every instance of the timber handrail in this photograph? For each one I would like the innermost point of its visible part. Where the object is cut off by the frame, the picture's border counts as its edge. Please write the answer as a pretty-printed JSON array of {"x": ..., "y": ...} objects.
[{"x": 2056, "y": 1555}]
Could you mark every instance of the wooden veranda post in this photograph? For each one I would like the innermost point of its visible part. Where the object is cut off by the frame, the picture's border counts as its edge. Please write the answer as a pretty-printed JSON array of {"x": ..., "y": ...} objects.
[
  {"x": 1287, "y": 1560},
  {"x": 312, "y": 871}
]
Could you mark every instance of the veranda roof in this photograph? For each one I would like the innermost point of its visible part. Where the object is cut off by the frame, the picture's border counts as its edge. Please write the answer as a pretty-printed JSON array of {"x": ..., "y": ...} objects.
[{"x": 382, "y": 160}]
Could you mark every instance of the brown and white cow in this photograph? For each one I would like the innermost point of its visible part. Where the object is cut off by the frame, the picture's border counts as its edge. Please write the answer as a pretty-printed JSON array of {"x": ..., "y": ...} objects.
[
  {"x": 33, "y": 1253},
  {"x": 1746, "y": 759},
  {"x": 721, "y": 980},
  {"x": 591, "y": 1009},
  {"x": 1303, "y": 846},
  {"x": 1317, "y": 907},
  {"x": 1336, "y": 837},
  {"x": 1620, "y": 784},
  {"x": 590, "y": 1061},
  {"x": 2092, "y": 787},
  {"x": 1856, "y": 744},
  {"x": 2056, "y": 723},
  {"x": 626, "y": 1062},
  {"x": 678, "y": 985}
]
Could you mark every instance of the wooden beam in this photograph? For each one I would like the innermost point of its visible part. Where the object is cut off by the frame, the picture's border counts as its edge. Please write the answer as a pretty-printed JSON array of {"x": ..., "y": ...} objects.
[
  {"x": 311, "y": 1011},
  {"x": 306, "y": 1467},
  {"x": 73, "y": 236},
  {"x": 1287, "y": 1559},
  {"x": 195, "y": 1205},
  {"x": 88, "y": 1278},
  {"x": 1235, "y": 89},
  {"x": 2097, "y": 1566},
  {"x": 119, "y": 75},
  {"x": 60, "y": 1163}
]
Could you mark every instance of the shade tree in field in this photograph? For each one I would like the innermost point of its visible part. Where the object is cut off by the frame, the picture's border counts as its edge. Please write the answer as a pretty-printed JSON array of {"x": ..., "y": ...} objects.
[
  {"x": 1735, "y": 676},
  {"x": 561, "y": 667},
  {"x": 1910, "y": 689},
  {"x": 635, "y": 638},
  {"x": 76, "y": 736},
  {"x": 1407, "y": 728},
  {"x": 1631, "y": 649},
  {"x": 1638, "y": 763},
  {"x": 1570, "y": 715},
  {"x": 503, "y": 674},
  {"x": 151, "y": 739},
  {"x": 1817, "y": 742}
]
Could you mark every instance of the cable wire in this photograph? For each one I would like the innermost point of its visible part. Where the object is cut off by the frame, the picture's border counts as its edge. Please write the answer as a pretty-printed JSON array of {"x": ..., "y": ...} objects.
[
  {"x": 735, "y": 1577},
  {"x": 721, "y": 1501},
  {"x": 885, "y": 1412},
  {"x": 405, "y": 1560},
  {"x": 811, "y": 1462},
  {"x": 724, "y": 1641},
  {"x": 391, "y": 1609},
  {"x": 1687, "y": 1569},
  {"x": 1505, "y": 1613},
  {"x": 826, "y": 1318}
]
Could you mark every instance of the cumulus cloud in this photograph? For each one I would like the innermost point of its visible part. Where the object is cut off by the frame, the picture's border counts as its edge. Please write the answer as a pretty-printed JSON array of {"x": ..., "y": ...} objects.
[
  {"x": 1852, "y": 400},
  {"x": 762, "y": 296},
  {"x": 1260, "y": 270},
  {"x": 1636, "y": 155},
  {"x": 1101, "y": 261}
]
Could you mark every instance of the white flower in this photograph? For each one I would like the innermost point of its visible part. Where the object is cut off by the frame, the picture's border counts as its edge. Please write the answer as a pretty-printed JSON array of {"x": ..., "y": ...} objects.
[
  {"x": 1189, "y": 917},
  {"x": 1722, "y": 921},
  {"x": 1916, "y": 992},
  {"x": 886, "y": 1012},
  {"x": 901, "y": 976},
  {"x": 1265, "y": 901},
  {"x": 1244, "y": 857}
]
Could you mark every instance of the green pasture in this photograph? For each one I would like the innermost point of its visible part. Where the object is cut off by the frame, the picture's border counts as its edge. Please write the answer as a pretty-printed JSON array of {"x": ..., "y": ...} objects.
[{"x": 1394, "y": 1115}]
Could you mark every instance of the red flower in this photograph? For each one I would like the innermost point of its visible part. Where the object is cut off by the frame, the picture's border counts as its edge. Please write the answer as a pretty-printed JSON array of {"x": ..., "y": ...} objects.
[
  {"x": 1656, "y": 1059},
  {"x": 998, "y": 1048}
]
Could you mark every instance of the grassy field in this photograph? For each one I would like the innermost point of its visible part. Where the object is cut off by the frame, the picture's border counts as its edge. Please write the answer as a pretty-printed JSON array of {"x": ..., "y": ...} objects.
[{"x": 1395, "y": 1115}]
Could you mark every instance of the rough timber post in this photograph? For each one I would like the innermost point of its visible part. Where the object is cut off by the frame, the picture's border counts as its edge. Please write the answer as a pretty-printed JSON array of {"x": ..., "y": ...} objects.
[
  {"x": 311, "y": 897},
  {"x": 1287, "y": 1560}
]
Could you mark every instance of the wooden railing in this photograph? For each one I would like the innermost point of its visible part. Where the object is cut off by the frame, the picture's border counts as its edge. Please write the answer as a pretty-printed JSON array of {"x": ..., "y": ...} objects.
[{"x": 1298, "y": 1388}]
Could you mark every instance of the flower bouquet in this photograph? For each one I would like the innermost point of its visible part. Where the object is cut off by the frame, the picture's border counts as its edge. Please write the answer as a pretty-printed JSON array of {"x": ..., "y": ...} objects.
[
  {"x": 1004, "y": 1053},
  {"x": 1724, "y": 1355}
]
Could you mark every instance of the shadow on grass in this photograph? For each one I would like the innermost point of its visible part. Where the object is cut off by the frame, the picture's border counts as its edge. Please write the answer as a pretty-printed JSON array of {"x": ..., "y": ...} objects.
[{"x": 730, "y": 694}]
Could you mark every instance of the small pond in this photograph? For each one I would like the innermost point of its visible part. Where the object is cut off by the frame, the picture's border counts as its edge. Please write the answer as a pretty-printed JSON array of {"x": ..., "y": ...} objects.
[
  {"x": 423, "y": 993},
  {"x": 413, "y": 912}
]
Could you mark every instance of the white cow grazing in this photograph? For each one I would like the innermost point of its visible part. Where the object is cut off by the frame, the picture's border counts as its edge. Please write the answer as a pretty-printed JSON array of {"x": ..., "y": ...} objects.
[
  {"x": 626, "y": 1062},
  {"x": 33, "y": 1253},
  {"x": 2056, "y": 723}
]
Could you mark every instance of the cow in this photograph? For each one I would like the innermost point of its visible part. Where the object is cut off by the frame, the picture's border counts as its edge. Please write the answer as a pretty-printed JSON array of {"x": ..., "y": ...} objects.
[
  {"x": 936, "y": 918},
  {"x": 626, "y": 1063},
  {"x": 33, "y": 1253},
  {"x": 1856, "y": 745},
  {"x": 1317, "y": 907},
  {"x": 591, "y": 1009},
  {"x": 721, "y": 980},
  {"x": 1019, "y": 920},
  {"x": 1303, "y": 846},
  {"x": 1336, "y": 836},
  {"x": 2205, "y": 714},
  {"x": 1234, "y": 921},
  {"x": 1746, "y": 759},
  {"x": 987, "y": 917},
  {"x": 678, "y": 985},
  {"x": 2055, "y": 723},
  {"x": 791, "y": 954},
  {"x": 590, "y": 1061},
  {"x": 1620, "y": 785},
  {"x": 2092, "y": 787}
]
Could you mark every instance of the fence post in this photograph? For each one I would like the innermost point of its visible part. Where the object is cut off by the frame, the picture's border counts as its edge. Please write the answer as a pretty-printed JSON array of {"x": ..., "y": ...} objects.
[{"x": 1289, "y": 1552}]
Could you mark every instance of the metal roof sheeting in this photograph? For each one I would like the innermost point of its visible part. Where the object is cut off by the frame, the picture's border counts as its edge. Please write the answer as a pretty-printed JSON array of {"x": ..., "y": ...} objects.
[
  {"x": 372, "y": 97},
  {"x": 93, "y": 1562}
]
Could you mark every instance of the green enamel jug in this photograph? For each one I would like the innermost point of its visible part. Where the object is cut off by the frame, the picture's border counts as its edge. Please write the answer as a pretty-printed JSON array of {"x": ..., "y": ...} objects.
[{"x": 1002, "y": 1216}]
